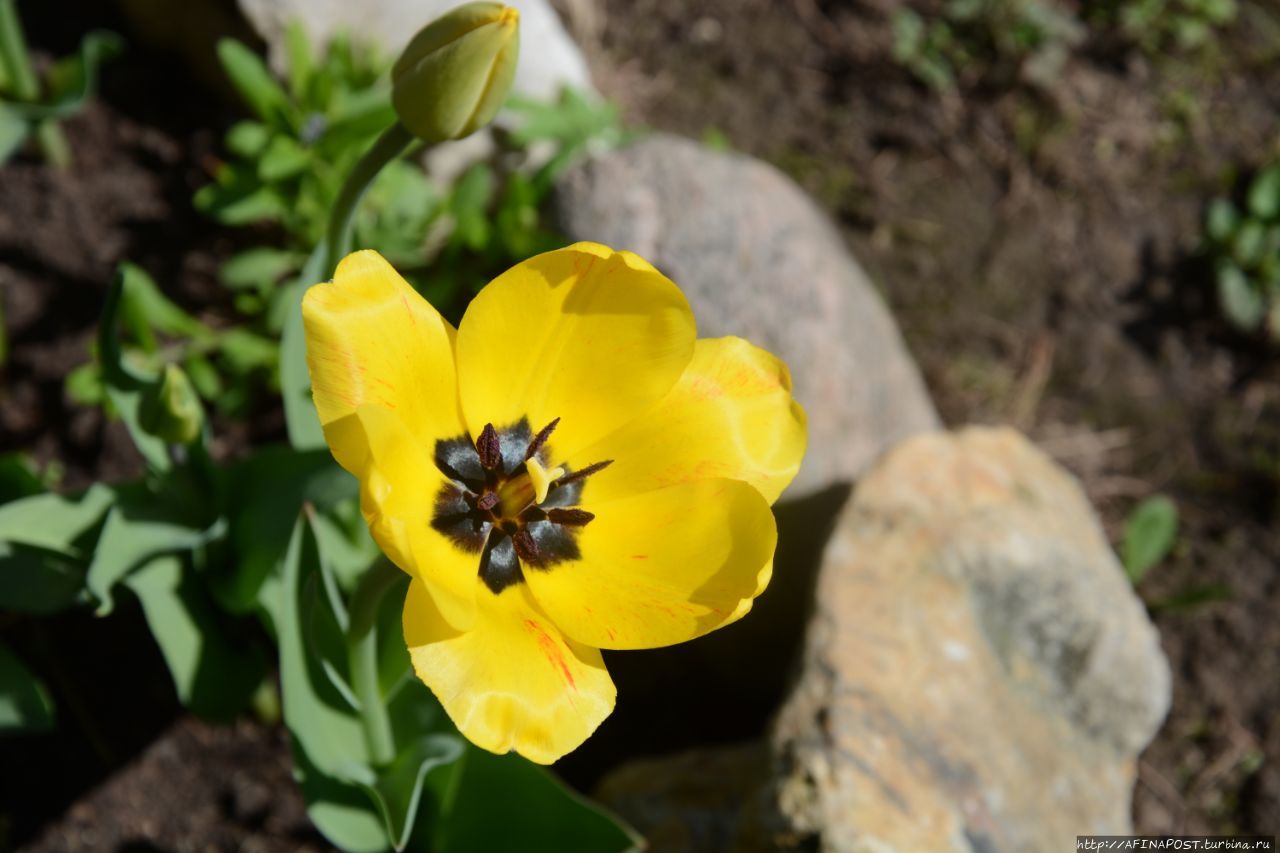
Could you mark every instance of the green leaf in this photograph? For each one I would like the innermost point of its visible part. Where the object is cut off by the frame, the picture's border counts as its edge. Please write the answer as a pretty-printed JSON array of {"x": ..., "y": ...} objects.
[
  {"x": 239, "y": 199},
  {"x": 538, "y": 812},
  {"x": 298, "y": 50},
  {"x": 63, "y": 524},
  {"x": 1193, "y": 597},
  {"x": 1249, "y": 240},
  {"x": 254, "y": 82},
  {"x": 328, "y": 741},
  {"x": 470, "y": 206},
  {"x": 24, "y": 703},
  {"x": 1149, "y": 534},
  {"x": 300, "y": 414},
  {"x": 125, "y": 386},
  {"x": 398, "y": 791},
  {"x": 34, "y": 580},
  {"x": 1221, "y": 220},
  {"x": 1264, "y": 194},
  {"x": 246, "y": 351},
  {"x": 133, "y": 536},
  {"x": 247, "y": 138},
  {"x": 283, "y": 159},
  {"x": 18, "y": 477},
  {"x": 13, "y": 132},
  {"x": 259, "y": 268},
  {"x": 84, "y": 385},
  {"x": 214, "y": 675},
  {"x": 1239, "y": 300}
]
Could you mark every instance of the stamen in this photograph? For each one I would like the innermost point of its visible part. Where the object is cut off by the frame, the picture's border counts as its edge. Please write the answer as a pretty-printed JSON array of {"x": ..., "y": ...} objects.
[
  {"x": 593, "y": 468},
  {"x": 489, "y": 447},
  {"x": 487, "y": 501},
  {"x": 541, "y": 478},
  {"x": 571, "y": 517},
  {"x": 540, "y": 439},
  {"x": 526, "y": 547}
]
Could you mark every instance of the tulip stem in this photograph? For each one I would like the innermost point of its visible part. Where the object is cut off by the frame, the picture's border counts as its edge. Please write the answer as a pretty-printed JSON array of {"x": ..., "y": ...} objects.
[
  {"x": 390, "y": 145},
  {"x": 362, "y": 650}
]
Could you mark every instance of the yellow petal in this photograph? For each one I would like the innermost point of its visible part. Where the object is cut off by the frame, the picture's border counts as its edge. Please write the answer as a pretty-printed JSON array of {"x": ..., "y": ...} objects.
[
  {"x": 731, "y": 415},
  {"x": 398, "y": 487},
  {"x": 372, "y": 340},
  {"x": 585, "y": 334},
  {"x": 662, "y": 567},
  {"x": 513, "y": 681}
]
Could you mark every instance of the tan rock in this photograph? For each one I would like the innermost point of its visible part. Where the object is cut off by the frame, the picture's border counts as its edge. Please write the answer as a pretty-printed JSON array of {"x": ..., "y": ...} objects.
[{"x": 978, "y": 675}]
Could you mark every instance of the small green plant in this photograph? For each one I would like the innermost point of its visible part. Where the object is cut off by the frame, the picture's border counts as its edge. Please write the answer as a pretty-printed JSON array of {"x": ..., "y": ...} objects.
[
  {"x": 1243, "y": 243},
  {"x": 1160, "y": 25},
  {"x": 1149, "y": 535},
  {"x": 30, "y": 106},
  {"x": 1005, "y": 40}
]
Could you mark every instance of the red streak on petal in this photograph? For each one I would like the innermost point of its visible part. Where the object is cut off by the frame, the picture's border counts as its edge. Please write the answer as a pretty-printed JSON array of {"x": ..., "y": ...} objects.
[
  {"x": 404, "y": 300},
  {"x": 609, "y": 631},
  {"x": 639, "y": 556},
  {"x": 551, "y": 650}
]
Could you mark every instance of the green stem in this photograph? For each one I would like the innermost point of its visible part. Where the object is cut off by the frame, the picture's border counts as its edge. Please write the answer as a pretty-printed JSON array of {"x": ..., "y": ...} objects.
[
  {"x": 26, "y": 88},
  {"x": 393, "y": 141},
  {"x": 362, "y": 650}
]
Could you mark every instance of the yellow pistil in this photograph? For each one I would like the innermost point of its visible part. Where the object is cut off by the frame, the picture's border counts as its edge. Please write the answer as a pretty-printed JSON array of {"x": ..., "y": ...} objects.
[{"x": 542, "y": 478}]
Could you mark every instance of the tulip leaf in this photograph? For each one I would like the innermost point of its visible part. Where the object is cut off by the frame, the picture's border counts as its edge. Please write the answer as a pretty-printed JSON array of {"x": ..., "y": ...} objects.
[
  {"x": 18, "y": 477},
  {"x": 13, "y": 132},
  {"x": 125, "y": 385},
  {"x": 214, "y": 676},
  {"x": 398, "y": 791},
  {"x": 254, "y": 82},
  {"x": 58, "y": 523},
  {"x": 133, "y": 536},
  {"x": 538, "y": 812},
  {"x": 24, "y": 703},
  {"x": 300, "y": 413},
  {"x": 35, "y": 580},
  {"x": 1149, "y": 534}
]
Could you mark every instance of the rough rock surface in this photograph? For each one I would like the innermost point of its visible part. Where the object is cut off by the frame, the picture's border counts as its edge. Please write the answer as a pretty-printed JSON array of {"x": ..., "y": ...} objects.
[
  {"x": 978, "y": 674},
  {"x": 757, "y": 258},
  {"x": 549, "y": 59}
]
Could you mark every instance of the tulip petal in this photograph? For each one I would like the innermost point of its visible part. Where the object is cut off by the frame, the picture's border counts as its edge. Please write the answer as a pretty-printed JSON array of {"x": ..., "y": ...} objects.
[
  {"x": 372, "y": 340},
  {"x": 662, "y": 567},
  {"x": 513, "y": 681},
  {"x": 398, "y": 487},
  {"x": 730, "y": 416},
  {"x": 585, "y": 334}
]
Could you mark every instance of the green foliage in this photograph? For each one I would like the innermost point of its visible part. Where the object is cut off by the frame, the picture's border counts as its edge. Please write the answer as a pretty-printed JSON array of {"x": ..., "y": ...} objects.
[
  {"x": 24, "y": 702},
  {"x": 1160, "y": 25},
  {"x": 1004, "y": 40},
  {"x": 1149, "y": 536},
  {"x": 1242, "y": 241}
]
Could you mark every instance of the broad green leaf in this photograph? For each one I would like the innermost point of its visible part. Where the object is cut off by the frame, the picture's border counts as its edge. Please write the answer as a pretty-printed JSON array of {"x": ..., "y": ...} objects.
[
  {"x": 254, "y": 82},
  {"x": 398, "y": 792},
  {"x": 538, "y": 813},
  {"x": 328, "y": 741},
  {"x": 24, "y": 703},
  {"x": 134, "y": 536},
  {"x": 1239, "y": 300},
  {"x": 125, "y": 385},
  {"x": 260, "y": 268},
  {"x": 214, "y": 675},
  {"x": 1149, "y": 534},
  {"x": 35, "y": 580},
  {"x": 1264, "y": 194},
  {"x": 63, "y": 524}
]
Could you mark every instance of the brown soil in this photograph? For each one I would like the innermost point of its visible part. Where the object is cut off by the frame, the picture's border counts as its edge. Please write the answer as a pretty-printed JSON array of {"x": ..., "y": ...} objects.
[{"x": 1039, "y": 252}]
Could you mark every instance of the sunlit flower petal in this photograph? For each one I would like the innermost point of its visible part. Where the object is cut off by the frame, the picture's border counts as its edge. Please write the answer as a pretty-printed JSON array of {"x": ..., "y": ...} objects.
[
  {"x": 730, "y": 415},
  {"x": 662, "y": 567},
  {"x": 585, "y": 334},
  {"x": 513, "y": 681}
]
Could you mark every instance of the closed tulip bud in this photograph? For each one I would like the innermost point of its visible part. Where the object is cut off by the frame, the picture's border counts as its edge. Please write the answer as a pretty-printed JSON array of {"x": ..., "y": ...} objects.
[
  {"x": 172, "y": 411},
  {"x": 456, "y": 72}
]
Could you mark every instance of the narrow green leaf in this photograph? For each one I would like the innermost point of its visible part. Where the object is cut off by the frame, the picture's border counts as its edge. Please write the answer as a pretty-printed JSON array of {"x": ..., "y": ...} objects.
[
  {"x": 300, "y": 413},
  {"x": 259, "y": 268},
  {"x": 125, "y": 385},
  {"x": 283, "y": 159},
  {"x": 254, "y": 82},
  {"x": 398, "y": 792},
  {"x": 1239, "y": 300},
  {"x": 214, "y": 675},
  {"x": 13, "y": 132},
  {"x": 1221, "y": 219},
  {"x": 25, "y": 705},
  {"x": 1149, "y": 534},
  {"x": 298, "y": 50},
  {"x": 247, "y": 138}
]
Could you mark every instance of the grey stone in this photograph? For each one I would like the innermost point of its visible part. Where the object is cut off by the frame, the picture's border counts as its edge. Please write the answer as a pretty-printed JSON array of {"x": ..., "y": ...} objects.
[{"x": 758, "y": 259}]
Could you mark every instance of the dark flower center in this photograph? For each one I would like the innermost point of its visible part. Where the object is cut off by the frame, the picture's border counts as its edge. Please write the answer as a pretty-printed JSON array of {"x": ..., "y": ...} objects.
[{"x": 491, "y": 506}]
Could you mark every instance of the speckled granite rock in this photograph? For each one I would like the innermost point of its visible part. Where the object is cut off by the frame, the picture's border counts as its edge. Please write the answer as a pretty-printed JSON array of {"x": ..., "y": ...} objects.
[
  {"x": 757, "y": 258},
  {"x": 978, "y": 675}
]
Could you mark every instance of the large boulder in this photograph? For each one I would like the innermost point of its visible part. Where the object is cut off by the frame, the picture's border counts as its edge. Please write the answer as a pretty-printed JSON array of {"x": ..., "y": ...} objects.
[
  {"x": 757, "y": 258},
  {"x": 978, "y": 675}
]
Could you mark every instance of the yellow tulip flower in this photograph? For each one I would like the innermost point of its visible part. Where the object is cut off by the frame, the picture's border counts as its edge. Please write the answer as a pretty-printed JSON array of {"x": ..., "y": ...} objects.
[{"x": 569, "y": 470}]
